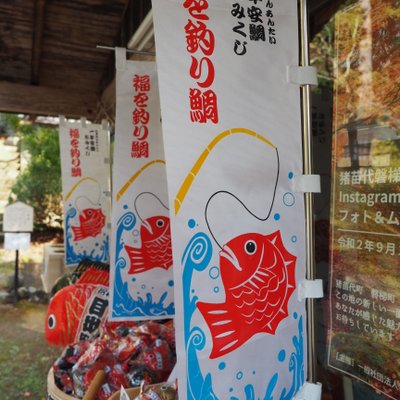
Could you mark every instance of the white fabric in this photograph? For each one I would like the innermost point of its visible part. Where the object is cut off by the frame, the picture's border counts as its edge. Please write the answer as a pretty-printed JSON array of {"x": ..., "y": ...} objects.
[
  {"x": 85, "y": 182},
  {"x": 139, "y": 193},
  {"x": 232, "y": 134}
]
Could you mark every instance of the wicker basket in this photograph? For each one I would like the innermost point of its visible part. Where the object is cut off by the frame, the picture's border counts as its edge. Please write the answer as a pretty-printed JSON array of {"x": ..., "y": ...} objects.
[
  {"x": 54, "y": 393},
  {"x": 132, "y": 393}
]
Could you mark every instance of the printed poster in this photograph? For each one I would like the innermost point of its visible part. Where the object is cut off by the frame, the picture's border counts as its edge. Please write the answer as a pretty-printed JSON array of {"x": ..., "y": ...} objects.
[
  {"x": 85, "y": 165},
  {"x": 232, "y": 135},
  {"x": 142, "y": 279},
  {"x": 364, "y": 337}
]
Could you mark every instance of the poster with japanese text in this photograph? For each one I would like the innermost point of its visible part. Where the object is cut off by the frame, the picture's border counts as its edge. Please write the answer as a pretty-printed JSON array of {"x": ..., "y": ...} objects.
[
  {"x": 232, "y": 135},
  {"x": 364, "y": 337},
  {"x": 85, "y": 154},
  {"x": 141, "y": 278}
]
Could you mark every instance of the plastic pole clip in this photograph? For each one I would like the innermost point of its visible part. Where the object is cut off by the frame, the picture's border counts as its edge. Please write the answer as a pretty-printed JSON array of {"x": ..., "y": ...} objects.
[
  {"x": 310, "y": 289},
  {"x": 309, "y": 391},
  {"x": 307, "y": 184},
  {"x": 302, "y": 75},
  {"x": 120, "y": 58},
  {"x": 105, "y": 125}
]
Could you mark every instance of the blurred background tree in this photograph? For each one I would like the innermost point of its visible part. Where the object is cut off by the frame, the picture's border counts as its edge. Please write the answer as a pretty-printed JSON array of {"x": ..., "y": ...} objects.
[{"x": 39, "y": 181}]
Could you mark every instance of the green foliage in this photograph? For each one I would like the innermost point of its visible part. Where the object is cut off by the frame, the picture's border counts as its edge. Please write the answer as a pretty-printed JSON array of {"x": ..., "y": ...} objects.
[
  {"x": 39, "y": 184},
  {"x": 9, "y": 122}
]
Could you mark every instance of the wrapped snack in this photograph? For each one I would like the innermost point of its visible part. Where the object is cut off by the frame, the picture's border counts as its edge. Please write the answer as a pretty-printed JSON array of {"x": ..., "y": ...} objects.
[
  {"x": 129, "y": 354},
  {"x": 92, "y": 371},
  {"x": 95, "y": 350},
  {"x": 117, "y": 330},
  {"x": 64, "y": 381},
  {"x": 159, "y": 358},
  {"x": 128, "y": 347},
  {"x": 166, "y": 391},
  {"x": 139, "y": 373},
  {"x": 117, "y": 377},
  {"x": 79, "y": 385},
  {"x": 106, "y": 391}
]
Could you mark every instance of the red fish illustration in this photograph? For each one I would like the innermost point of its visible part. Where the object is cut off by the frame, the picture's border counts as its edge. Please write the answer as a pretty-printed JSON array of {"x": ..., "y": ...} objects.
[
  {"x": 67, "y": 306},
  {"x": 156, "y": 251},
  {"x": 92, "y": 221},
  {"x": 258, "y": 275}
]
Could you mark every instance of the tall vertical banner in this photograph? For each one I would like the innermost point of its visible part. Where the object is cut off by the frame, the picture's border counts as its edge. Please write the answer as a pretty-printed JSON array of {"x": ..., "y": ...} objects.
[
  {"x": 142, "y": 278},
  {"x": 364, "y": 339},
  {"x": 232, "y": 134},
  {"x": 85, "y": 154}
]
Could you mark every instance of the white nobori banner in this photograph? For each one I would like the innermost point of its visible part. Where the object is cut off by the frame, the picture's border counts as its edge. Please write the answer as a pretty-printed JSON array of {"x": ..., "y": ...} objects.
[
  {"x": 85, "y": 165},
  {"x": 232, "y": 135},
  {"x": 141, "y": 254}
]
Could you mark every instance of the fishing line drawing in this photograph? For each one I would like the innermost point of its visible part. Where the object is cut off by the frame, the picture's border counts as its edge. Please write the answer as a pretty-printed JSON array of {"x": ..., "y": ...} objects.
[
  {"x": 91, "y": 217},
  {"x": 155, "y": 232},
  {"x": 155, "y": 236},
  {"x": 257, "y": 272}
]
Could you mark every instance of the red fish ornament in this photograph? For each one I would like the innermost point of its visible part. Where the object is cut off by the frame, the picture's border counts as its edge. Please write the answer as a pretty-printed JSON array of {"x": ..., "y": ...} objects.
[
  {"x": 92, "y": 221},
  {"x": 88, "y": 297},
  {"x": 258, "y": 275},
  {"x": 156, "y": 251}
]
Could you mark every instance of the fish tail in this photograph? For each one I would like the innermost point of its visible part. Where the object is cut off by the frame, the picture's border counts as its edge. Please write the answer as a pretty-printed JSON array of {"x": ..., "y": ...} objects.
[
  {"x": 136, "y": 259},
  {"x": 78, "y": 235},
  {"x": 224, "y": 326},
  {"x": 95, "y": 277}
]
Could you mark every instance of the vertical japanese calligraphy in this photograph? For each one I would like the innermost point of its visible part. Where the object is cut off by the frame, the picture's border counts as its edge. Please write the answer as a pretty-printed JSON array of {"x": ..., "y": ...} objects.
[
  {"x": 140, "y": 116},
  {"x": 75, "y": 153},
  {"x": 254, "y": 22},
  {"x": 200, "y": 44},
  {"x": 85, "y": 151},
  {"x": 141, "y": 254},
  {"x": 364, "y": 339}
]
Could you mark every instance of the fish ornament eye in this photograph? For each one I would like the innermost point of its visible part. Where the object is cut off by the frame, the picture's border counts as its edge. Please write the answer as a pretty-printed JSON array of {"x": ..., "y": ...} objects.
[
  {"x": 164, "y": 387},
  {"x": 90, "y": 213},
  {"x": 160, "y": 223},
  {"x": 250, "y": 247},
  {"x": 51, "y": 321}
]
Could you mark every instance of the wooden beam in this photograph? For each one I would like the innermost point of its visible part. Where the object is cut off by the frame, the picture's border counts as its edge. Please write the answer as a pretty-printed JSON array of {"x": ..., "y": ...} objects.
[
  {"x": 39, "y": 100},
  {"x": 38, "y": 24}
]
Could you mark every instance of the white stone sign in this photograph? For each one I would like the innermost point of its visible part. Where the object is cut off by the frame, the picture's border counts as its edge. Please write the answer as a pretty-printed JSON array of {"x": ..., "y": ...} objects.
[
  {"x": 17, "y": 241},
  {"x": 18, "y": 217}
]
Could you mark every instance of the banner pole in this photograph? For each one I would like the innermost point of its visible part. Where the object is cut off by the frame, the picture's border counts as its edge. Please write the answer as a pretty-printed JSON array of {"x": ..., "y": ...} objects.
[{"x": 309, "y": 200}]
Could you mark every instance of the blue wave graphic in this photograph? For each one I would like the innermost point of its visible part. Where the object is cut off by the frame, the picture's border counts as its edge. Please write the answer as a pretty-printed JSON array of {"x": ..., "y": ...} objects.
[
  {"x": 73, "y": 257},
  {"x": 123, "y": 303},
  {"x": 196, "y": 257}
]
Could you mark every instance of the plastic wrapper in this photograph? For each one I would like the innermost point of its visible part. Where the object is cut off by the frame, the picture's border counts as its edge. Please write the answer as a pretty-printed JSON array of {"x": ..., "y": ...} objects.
[
  {"x": 128, "y": 347},
  {"x": 117, "y": 377},
  {"x": 130, "y": 354},
  {"x": 95, "y": 350},
  {"x": 106, "y": 391},
  {"x": 159, "y": 358},
  {"x": 139, "y": 373},
  {"x": 166, "y": 391}
]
